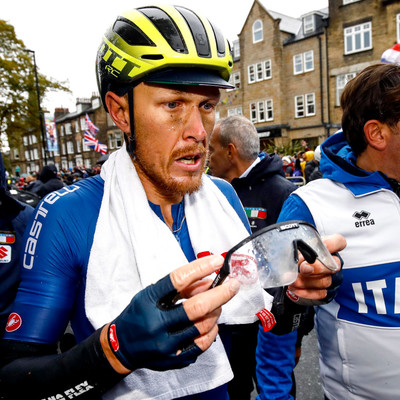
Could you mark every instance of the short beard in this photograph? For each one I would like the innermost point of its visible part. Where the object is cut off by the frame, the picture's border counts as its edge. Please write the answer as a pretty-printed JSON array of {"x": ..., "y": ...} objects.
[{"x": 169, "y": 186}]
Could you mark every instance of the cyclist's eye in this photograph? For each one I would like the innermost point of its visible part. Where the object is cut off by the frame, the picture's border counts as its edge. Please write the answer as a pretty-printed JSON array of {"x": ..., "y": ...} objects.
[
  {"x": 172, "y": 104},
  {"x": 208, "y": 106}
]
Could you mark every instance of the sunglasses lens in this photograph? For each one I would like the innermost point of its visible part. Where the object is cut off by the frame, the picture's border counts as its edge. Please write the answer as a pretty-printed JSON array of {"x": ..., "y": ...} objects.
[
  {"x": 271, "y": 262},
  {"x": 271, "y": 256}
]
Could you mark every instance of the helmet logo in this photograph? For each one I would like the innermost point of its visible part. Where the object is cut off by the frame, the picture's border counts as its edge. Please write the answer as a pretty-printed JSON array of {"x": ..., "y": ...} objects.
[
  {"x": 201, "y": 38},
  {"x": 115, "y": 64},
  {"x": 112, "y": 71}
]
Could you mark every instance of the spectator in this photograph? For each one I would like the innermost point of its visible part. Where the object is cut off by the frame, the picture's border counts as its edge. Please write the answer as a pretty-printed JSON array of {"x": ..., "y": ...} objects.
[
  {"x": 259, "y": 181},
  {"x": 33, "y": 184},
  {"x": 50, "y": 180},
  {"x": 14, "y": 217},
  {"x": 316, "y": 173},
  {"x": 102, "y": 243},
  {"x": 359, "y": 197},
  {"x": 310, "y": 165}
]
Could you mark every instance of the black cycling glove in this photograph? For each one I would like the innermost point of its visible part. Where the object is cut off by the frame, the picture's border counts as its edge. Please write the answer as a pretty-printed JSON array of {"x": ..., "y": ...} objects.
[{"x": 150, "y": 331}]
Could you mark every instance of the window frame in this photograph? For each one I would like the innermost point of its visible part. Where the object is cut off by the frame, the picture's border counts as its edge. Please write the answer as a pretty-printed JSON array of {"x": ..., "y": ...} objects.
[
  {"x": 307, "y": 104},
  {"x": 339, "y": 89},
  {"x": 351, "y": 32},
  {"x": 309, "y": 26},
  {"x": 398, "y": 27},
  {"x": 261, "y": 111},
  {"x": 257, "y": 30},
  {"x": 299, "y": 108},
  {"x": 251, "y": 75}
]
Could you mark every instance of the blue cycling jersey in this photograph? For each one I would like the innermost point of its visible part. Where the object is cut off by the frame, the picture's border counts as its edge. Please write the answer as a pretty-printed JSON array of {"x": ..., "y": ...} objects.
[
  {"x": 56, "y": 249},
  {"x": 55, "y": 255}
]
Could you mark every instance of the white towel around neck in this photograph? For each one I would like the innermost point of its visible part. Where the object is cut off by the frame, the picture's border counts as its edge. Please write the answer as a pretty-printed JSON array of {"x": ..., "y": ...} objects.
[{"x": 133, "y": 248}]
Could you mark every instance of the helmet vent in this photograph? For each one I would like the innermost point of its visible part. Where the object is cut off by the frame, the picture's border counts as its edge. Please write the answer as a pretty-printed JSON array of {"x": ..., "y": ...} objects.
[
  {"x": 131, "y": 33},
  {"x": 198, "y": 32},
  {"x": 166, "y": 26},
  {"x": 219, "y": 38},
  {"x": 152, "y": 57}
]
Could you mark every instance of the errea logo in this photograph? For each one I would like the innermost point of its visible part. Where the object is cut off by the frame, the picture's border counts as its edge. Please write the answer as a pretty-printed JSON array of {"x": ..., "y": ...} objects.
[{"x": 363, "y": 219}]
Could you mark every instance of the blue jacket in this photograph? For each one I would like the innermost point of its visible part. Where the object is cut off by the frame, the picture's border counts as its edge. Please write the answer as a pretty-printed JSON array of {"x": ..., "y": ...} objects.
[
  {"x": 14, "y": 217},
  {"x": 359, "y": 329}
]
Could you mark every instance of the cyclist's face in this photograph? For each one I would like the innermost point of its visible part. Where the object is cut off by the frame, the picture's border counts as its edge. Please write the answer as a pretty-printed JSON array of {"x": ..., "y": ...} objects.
[{"x": 172, "y": 127}]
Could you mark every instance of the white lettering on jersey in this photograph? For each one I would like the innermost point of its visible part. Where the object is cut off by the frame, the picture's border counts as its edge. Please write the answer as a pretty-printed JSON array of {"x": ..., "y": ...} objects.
[{"x": 41, "y": 213}]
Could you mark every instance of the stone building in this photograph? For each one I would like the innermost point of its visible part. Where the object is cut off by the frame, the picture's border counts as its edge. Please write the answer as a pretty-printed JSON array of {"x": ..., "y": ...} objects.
[
  {"x": 288, "y": 74},
  {"x": 359, "y": 32}
]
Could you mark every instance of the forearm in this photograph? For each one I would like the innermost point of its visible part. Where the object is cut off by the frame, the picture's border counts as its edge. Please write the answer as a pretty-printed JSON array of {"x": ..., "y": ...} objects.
[{"x": 30, "y": 373}]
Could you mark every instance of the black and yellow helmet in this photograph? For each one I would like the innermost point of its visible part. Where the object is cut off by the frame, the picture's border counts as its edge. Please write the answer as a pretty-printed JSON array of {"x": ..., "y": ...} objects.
[{"x": 162, "y": 44}]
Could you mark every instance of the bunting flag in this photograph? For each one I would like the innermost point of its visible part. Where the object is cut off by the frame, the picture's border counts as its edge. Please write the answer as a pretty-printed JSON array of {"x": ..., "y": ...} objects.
[
  {"x": 392, "y": 56},
  {"x": 51, "y": 133},
  {"x": 93, "y": 143},
  {"x": 93, "y": 129}
]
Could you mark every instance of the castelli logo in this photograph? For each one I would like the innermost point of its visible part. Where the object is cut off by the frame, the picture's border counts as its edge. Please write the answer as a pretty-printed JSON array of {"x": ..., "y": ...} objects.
[
  {"x": 112, "y": 335},
  {"x": 13, "y": 323}
]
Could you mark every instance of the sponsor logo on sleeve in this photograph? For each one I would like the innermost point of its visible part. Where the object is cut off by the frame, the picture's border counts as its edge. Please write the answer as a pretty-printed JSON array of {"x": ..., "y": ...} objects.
[{"x": 14, "y": 322}]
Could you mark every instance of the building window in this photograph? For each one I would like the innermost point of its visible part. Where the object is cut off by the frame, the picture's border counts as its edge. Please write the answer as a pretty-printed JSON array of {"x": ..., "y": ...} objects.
[
  {"x": 62, "y": 130},
  {"x": 87, "y": 163},
  {"x": 267, "y": 69},
  {"x": 27, "y": 157},
  {"x": 260, "y": 71},
  {"x": 235, "y": 80},
  {"x": 398, "y": 27},
  {"x": 310, "y": 104},
  {"x": 25, "y": 140},
  {"x": 111, "y": 141},
  {"x": 68, "y": 130},
  {"x": 78, "y": 146},
  {"x": 236, "y": 49},
  {"x": 349, "y": 1},
  {"x": 261, "y": 111},
  {"x": 257, "y": 31},
  {"x": 309, "y": 23},
  {"x": 83, "y": 124},
  {"x": 304, "y": 105},
  {"x": 341, "y": 81},
  {"x": 79, "y": 161},
  {"x": 358, "y": 38},
  {"x": 269, "y": 108},
  {"x": 303, "y": 62},
  {"x": 234, "y": 111},
  {"x": 118, "y": 140},
  {"x": 252, "y": 75},
  {"x": 70, "y": 147}
]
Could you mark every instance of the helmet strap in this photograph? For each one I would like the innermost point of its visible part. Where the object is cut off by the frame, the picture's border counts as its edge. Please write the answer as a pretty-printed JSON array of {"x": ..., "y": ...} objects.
[{"x": 131, "y": 147}]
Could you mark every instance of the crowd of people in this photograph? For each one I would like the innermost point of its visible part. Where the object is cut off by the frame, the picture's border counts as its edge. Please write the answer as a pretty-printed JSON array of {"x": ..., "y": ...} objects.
[
  {"x": 303, "y": 166},
  {"x": 49, "y": 178},
  {"x": 124, "y": 257}
]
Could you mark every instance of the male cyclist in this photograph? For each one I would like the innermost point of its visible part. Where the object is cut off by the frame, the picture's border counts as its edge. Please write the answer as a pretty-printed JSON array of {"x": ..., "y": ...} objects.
[{"x": 94, "y": 249}]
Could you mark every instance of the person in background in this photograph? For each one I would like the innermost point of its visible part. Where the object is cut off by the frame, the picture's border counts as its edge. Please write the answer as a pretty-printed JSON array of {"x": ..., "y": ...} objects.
[
  {"x": 105, "y": 246},
  {"x": 259, "y": 181},
  {"x": 50, "y": 181},
  {"x": 316, "y": 173},
  {"x": 358, "y": 331},
  {"x": 14, "y": 217}
]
